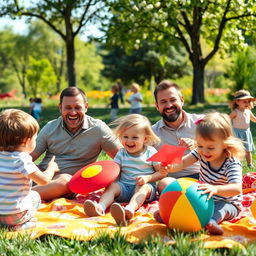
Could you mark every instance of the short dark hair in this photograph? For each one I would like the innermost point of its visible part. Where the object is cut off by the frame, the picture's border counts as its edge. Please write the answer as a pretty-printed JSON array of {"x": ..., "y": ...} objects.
[
  {"x": 165, "y": 84},
  {"x": 72, "y": 91}
]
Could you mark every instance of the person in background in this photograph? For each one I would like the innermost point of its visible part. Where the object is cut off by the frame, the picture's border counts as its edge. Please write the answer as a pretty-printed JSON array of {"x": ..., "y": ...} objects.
[
  {"x": 31, "y": 106},
  {"x": 120, "y": 91},
  {"x": 114, "y": 103},
  {"x": 75, "y": 138},
  {"x": 218, "y": 152},
  {"x": 135, "y": 99},
  {"x": 18, "y": 203},
  {"x": 177, "y": 127},
  {"x": 37, "y": 108},
  {"x": 136, "y": 183},
  {"x": 241, "y": 116}
]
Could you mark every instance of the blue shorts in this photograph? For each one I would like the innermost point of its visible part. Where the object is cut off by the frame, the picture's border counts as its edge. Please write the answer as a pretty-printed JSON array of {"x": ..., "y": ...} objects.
[{"x": 127, "y": 191}]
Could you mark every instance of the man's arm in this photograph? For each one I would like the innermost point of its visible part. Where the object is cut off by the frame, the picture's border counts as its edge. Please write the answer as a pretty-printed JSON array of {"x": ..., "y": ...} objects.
[
  {"x": 112, "y": 153},
  {"x": 35, "y": 155}
]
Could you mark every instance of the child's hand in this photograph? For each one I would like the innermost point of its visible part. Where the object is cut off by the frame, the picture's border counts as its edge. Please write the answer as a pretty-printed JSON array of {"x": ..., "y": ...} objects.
[
  {"x": 212, "y": 190},
  {"x": 165, "y": 169},
  {"x": 141, "y": 180},
  {"x": 187, "y": 143},
  {"x": 52, "y": 164}
]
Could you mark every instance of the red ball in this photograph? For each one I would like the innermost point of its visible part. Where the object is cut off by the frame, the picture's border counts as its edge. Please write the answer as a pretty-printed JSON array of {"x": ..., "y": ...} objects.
[{"x": 94, "y": 176}]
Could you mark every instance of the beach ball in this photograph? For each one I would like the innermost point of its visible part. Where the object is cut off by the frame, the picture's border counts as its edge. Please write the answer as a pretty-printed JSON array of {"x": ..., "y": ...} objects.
[
  {"x": 183, "y": 207},
  {"x": 94, "y": 176}
]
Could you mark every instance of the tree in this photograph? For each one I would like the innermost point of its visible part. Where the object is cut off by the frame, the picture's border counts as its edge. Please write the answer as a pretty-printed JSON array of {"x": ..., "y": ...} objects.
[
  {"x": 65, "y": 17},
  {"x": 221, "y": 23},
  {"x": 243, "y": 70},
  {"x": 15, "y": 50},
  {"x": 89, "y": 65},
  {"x": 47, "y": 44},
  {"x": 145, "y": 63},
  {"x": 40, "y": 76}
]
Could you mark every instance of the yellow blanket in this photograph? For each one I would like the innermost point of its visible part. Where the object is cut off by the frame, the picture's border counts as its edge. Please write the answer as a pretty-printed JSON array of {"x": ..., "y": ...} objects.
[{"x": 66, "y": 218}]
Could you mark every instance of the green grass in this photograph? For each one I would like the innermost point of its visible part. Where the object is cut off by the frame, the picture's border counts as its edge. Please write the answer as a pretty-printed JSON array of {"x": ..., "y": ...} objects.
[{"x": 105, "y": 245}]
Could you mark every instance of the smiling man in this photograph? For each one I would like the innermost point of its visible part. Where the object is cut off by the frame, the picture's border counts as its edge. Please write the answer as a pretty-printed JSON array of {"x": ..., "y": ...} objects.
[
  {"x": 75, "y": 139},
  {"x": 176, "y": 127}
]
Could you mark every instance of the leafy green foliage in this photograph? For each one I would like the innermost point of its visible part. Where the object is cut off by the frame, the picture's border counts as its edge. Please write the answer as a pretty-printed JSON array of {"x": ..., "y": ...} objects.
[
  {"x": 145, "y": 63},
  {"x": 66, "y": 18},
  {"x": 223, "y": 24},
  {"x": 41, "y": 77},
  {"x": 243, "y": 70}
]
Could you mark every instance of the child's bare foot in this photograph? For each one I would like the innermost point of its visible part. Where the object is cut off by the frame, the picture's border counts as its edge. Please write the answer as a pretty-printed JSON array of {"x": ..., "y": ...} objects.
[
  {"x": 157, "y": 216},
  {"x": 118, "y": 213},
  {"x": 214, "y": 228},
  {"x": 92, "y": 209}
]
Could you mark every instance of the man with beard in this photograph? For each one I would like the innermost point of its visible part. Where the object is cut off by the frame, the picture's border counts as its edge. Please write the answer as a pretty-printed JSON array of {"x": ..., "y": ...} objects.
[
  {"x": 75, "y": 139},
  {"x": 176, "y": 127}
]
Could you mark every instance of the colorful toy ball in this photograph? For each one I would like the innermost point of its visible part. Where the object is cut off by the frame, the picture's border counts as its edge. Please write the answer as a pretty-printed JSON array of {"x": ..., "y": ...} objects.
[
  {"x": 183, "y": 207},
  {"x": 94, "y": 176}
]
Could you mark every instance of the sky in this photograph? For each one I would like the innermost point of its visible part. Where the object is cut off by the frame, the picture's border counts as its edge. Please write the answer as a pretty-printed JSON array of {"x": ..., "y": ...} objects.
[{"x": 19, "y": 26}]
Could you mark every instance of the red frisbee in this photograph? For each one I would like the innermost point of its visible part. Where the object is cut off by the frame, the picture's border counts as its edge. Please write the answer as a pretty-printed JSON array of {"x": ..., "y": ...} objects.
[{"x": 94, "y": 176}]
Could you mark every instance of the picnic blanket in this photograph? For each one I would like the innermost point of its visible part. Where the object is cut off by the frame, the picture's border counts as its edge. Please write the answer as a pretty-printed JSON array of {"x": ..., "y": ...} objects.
[{"x": 66, "y": 218}]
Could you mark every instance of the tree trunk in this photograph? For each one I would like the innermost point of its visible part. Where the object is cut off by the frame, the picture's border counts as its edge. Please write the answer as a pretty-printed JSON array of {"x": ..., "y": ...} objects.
[
  {"x": 59, "y": 71},
  {"x": 198, "y": 83},
  {"x": 70, "y": 49}
]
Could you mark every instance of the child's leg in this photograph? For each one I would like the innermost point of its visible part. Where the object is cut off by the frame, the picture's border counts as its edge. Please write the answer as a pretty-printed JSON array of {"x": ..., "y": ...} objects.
[
  {"x": 141, "y": 194},
  {"x": 222, "y": 211},
  {"x": 96, "y": 209},
  {"x": 248, "y": 157}
]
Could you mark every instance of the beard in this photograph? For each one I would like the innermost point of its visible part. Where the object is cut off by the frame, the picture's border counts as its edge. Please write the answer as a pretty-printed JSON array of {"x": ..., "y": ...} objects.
[{"x": 172, "y": 117}]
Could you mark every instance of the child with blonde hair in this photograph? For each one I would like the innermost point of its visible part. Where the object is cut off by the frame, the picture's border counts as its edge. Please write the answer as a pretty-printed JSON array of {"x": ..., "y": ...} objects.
[
  {"x": 218, "y": 153},
  {"x": 135, "y": 99},
  {"x": 136, "y": 183},
  {"x": 241, "y": 116},
  {"x": 18, "y": 203}
]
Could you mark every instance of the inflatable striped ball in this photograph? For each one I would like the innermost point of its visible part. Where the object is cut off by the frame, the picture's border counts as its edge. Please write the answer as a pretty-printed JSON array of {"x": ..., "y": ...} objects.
[{"x": 183, "y": 207}]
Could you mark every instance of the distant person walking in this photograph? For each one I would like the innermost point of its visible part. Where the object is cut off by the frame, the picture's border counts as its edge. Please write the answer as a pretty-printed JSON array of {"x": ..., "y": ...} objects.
[
  {"x": 120, "y": 92},
  {"x": 135, "y": 99},
  {"x": 114, "y": 102}
]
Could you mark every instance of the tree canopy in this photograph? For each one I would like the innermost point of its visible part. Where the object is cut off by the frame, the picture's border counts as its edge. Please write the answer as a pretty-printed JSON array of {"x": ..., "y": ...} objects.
[
  {"x": 66, "y": 18},
  {"x": 222, "y": 23}
]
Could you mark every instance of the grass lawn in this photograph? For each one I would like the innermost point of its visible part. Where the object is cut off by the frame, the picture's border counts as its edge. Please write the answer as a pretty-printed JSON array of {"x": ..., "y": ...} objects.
[{"x": 104, "y": 245}]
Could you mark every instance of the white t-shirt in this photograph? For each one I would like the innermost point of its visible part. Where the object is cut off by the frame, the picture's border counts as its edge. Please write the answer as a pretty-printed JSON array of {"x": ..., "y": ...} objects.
[{"x": 134, "y": 102}]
